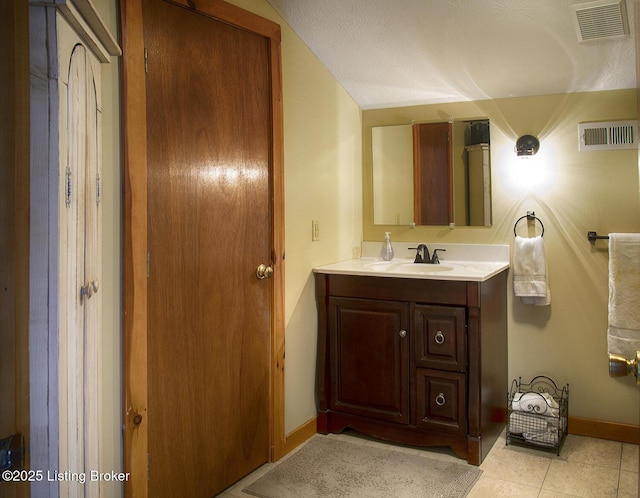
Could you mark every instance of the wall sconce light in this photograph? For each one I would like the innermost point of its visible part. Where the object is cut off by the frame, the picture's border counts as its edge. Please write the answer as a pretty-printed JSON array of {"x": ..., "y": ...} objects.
[{"x": 527, "y": 145}]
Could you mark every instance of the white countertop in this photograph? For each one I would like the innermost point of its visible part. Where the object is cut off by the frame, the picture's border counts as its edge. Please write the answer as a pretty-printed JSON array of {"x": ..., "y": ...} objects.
[{"x": 471, "y": 263}]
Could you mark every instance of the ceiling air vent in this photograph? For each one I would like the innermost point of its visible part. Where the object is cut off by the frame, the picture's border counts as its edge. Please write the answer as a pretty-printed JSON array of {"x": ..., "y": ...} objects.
[
  {"x": 601, "y": 19},
  {"x": 608, "y": 135}
]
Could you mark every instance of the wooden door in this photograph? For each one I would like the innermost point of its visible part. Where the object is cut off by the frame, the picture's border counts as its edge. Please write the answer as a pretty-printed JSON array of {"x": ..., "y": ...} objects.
[
  {"x": 433, "y": 174},
  {"x": 369, "y": 359},
  {"x": 14, "y": 236},
  {"x": 212, "y": 330}
]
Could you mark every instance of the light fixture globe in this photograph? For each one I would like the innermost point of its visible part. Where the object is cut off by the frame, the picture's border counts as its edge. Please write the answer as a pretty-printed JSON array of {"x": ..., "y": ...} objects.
[{"x": 527, "y": 145}]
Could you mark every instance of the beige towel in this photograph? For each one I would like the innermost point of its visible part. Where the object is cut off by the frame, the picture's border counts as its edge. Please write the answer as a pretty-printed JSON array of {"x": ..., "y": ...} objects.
[
  {"x": 624, "y": 294},
  {"x": 530, "y": 279}
]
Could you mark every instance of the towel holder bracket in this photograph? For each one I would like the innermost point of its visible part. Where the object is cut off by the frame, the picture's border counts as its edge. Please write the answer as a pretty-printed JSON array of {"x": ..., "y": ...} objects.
[
  {"x": 593, "y": 236},
  {"x": 530, "y": 216}
]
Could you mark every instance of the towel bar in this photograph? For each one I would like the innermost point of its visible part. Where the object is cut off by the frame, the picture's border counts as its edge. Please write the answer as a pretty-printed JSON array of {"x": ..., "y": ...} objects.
[{"x": 619, "y": 366}]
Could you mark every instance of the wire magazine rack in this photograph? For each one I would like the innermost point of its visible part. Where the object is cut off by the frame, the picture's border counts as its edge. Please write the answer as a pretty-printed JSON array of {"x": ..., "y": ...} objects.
[{"x": 537, "y": 414}]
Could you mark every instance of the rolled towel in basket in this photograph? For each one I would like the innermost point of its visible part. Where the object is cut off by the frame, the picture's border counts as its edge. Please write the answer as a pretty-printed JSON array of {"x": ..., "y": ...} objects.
[{"x": 540, "y": 403}]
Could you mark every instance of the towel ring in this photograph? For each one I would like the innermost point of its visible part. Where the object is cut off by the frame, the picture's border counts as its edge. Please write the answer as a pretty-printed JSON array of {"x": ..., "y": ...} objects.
[{"x": 530, "y": 216}]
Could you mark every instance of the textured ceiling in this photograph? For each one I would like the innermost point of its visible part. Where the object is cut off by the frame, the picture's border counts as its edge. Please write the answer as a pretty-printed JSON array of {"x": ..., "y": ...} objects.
[{"x": 388, "y": 53}]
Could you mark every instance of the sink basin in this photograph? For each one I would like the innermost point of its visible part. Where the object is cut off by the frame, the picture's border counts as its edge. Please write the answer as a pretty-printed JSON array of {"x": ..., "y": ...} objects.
[
  {"x": 419, "y": 268},
  {"x": 380, "y": 265},
  {"x": 404, "y": 267}
]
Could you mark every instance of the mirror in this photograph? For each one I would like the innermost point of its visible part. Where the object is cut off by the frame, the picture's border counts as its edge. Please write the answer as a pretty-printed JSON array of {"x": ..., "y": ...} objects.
[{"x": 432, "y": 173}]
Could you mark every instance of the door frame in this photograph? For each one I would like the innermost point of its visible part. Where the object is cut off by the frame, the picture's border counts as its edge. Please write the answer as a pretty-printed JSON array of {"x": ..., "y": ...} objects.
[{"x": 134, "y": 140}]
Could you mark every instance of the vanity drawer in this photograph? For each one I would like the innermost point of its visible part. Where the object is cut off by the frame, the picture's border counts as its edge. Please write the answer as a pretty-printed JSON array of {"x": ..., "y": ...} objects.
[
  {"x": 441, "y": 400},
  {"x": 439, "y": 337}
]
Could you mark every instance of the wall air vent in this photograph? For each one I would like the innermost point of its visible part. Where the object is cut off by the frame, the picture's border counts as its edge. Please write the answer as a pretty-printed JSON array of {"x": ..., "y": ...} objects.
[
  {"x": 608, "y": 135},
  {"x": 601, "y": 19}
]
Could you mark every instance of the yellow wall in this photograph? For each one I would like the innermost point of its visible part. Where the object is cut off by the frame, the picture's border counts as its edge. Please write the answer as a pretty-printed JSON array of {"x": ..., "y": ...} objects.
[{"x": 571, "y": 192}]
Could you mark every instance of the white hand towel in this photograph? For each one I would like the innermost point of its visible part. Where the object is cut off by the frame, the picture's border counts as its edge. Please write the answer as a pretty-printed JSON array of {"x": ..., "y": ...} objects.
[
  {"x": 530, "y": 276},
  {"x": 624, "y": 294}
]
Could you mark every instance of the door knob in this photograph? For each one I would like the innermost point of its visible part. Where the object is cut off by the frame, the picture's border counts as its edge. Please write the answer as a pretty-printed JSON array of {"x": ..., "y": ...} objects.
[
  {"x": 619, "y": 366},
  {"x": 263, "y": 271},
  {"x": 89, "y": 289}
]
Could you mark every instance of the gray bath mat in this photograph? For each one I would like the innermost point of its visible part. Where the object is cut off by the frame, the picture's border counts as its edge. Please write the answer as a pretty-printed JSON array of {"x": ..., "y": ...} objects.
[{"x": 330, "y": 468}]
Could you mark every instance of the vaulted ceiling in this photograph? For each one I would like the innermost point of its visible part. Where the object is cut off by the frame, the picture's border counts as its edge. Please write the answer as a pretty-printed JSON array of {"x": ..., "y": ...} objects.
[{"x": 388, "y": 53}]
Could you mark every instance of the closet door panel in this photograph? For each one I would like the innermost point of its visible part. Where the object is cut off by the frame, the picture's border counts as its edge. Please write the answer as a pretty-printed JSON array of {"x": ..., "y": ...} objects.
[{"x": 79, "y": 259}]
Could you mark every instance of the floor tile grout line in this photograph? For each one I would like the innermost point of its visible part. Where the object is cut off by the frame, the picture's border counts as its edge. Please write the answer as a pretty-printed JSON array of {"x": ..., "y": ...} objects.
[
  {"x": 620, "y": 470},
  {"x": 546, "y": 474}
]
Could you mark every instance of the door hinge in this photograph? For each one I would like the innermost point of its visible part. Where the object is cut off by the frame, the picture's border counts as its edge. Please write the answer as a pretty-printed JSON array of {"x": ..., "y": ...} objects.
[
  {"x": 98, "y": 190},
  {"x": 12, "y": 453},
  {"x": 146, "y": 60},
  {"x": 68, "y": 186}
]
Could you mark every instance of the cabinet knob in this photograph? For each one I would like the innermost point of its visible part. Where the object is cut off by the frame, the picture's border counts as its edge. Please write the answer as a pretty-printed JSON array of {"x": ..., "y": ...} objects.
[
  {"x": 439, "y": 337},
  {"x": 403, "y": 333},
  {"x": 440, "y": 399}
]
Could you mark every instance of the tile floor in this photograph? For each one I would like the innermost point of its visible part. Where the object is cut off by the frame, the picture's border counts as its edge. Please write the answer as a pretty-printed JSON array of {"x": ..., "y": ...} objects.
[{"x": 586, "y": 467}]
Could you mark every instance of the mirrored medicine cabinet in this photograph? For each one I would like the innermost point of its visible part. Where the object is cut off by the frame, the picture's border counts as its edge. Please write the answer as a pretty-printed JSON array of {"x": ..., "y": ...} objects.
[{"x": 432, "y": 173}]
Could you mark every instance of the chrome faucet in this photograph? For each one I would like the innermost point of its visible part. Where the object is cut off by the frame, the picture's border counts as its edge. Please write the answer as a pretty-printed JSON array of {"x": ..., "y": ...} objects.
[{"x": 422, "y": 255}]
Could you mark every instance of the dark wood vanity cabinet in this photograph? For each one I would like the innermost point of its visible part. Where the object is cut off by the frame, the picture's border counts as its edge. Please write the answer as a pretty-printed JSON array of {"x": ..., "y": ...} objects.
[{"x": 415, "y": 361}]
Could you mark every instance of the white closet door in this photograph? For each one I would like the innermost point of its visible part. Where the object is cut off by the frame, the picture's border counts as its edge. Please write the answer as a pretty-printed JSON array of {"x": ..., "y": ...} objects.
[
  {"x": 80, "y": 301},
  {"x": 92, "y": 273}
]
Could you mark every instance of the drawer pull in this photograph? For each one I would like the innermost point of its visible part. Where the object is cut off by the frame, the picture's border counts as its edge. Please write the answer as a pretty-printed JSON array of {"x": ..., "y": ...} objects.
[
  {"x": 439, "y": 337},
  {"x": 403, "y": 333},
  {"x": 440, "y": 399}
]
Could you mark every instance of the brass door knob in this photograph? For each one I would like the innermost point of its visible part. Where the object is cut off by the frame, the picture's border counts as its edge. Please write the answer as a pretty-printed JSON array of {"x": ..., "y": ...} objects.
[
  {"x": 619, "y": 366},
  {"x": 263, "y": 271}
]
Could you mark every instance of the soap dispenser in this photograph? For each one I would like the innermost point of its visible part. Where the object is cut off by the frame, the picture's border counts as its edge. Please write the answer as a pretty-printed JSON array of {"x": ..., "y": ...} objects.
[{"x": 387, "y": 250}]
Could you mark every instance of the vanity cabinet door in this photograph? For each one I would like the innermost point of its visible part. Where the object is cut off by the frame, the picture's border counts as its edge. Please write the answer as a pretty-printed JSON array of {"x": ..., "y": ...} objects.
[
  {"x": 369, "y": 358},
  {"x": 441, "y": 400},
  {"x": 439, "y": 337}
]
